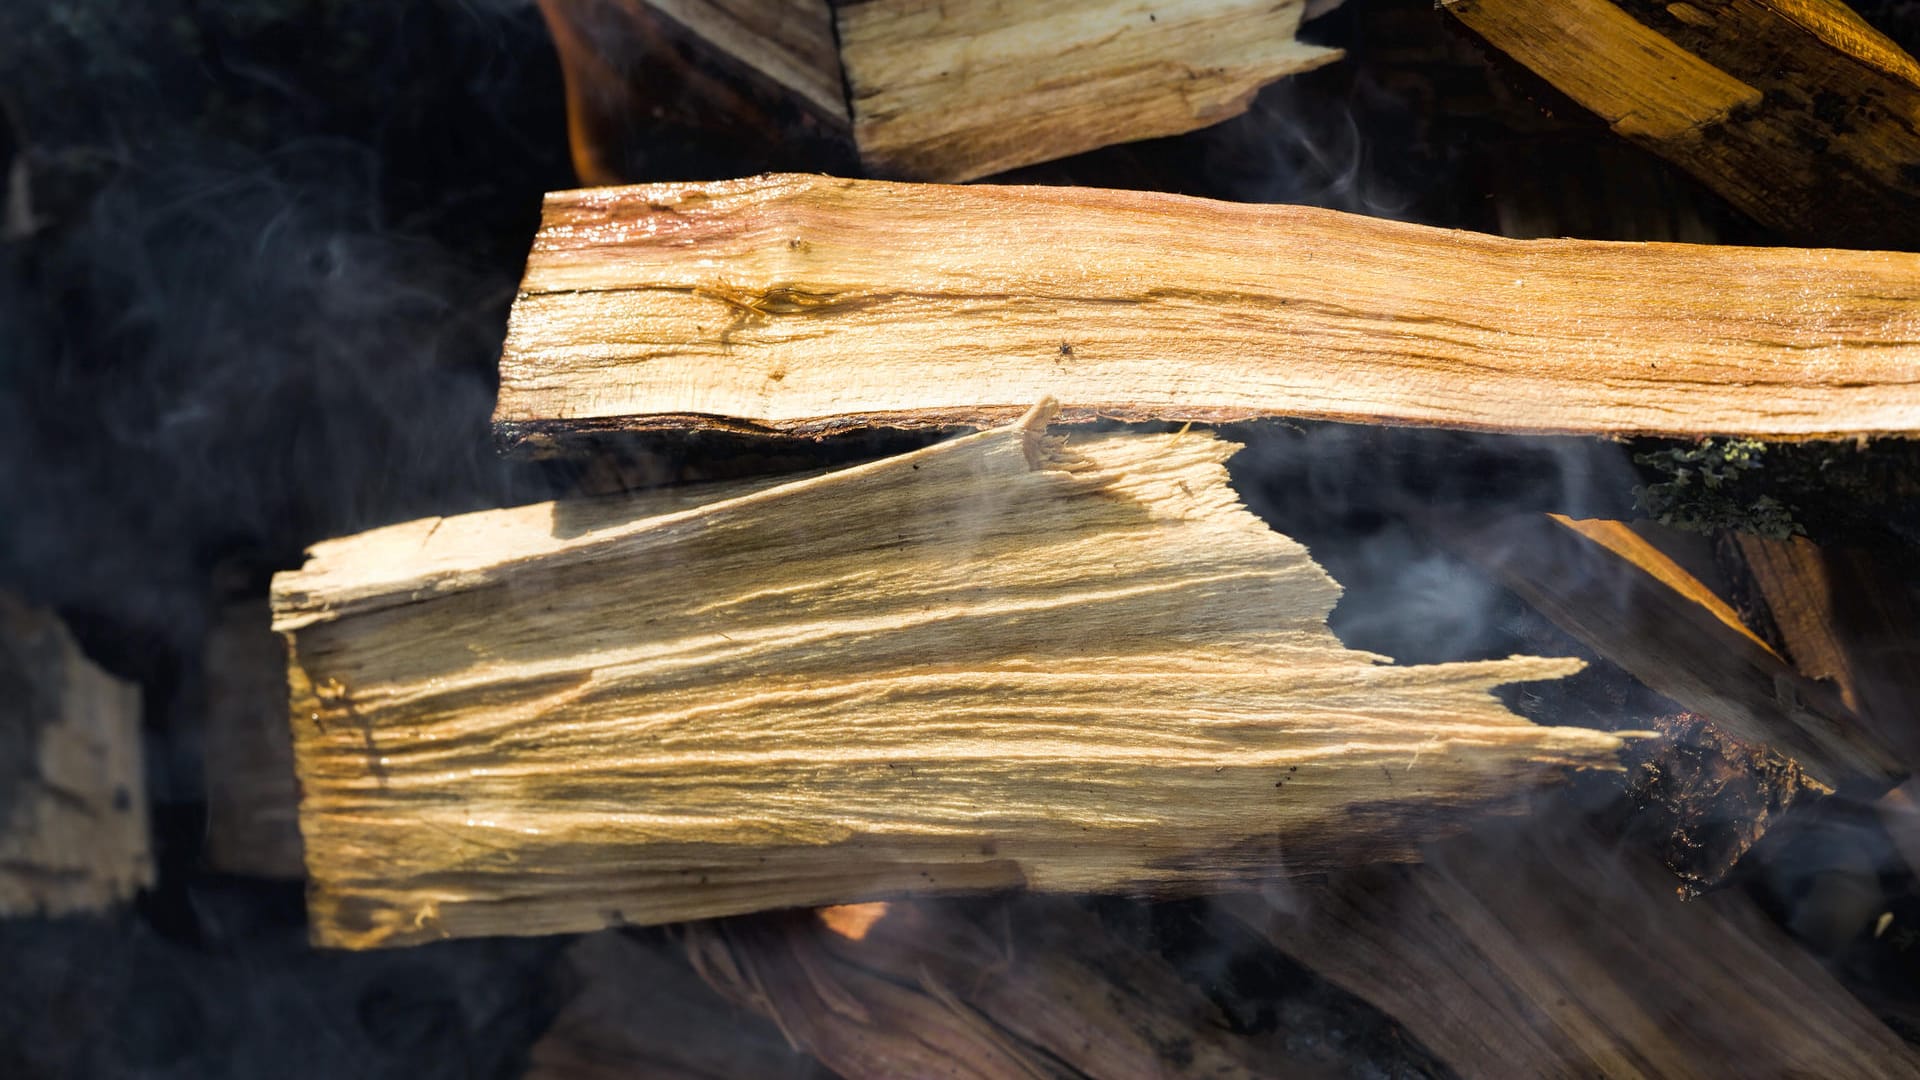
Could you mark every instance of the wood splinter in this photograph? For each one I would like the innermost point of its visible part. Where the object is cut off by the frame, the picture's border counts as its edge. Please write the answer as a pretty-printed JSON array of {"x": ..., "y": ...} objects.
[{"x": 1009, "y": 659}]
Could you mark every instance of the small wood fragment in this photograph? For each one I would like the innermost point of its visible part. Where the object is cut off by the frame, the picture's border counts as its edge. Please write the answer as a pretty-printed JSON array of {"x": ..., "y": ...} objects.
[
  {"x": 967, "y": 88},
  {"x": 1703, "y": 799},
  {"x": 1532, "y": 948},
  {"x": 1797, "y": 112},
  {"x": 1003, "y": 660},
  {"x": 73, "y": 810},
  {"x": 810, "y": 305}
]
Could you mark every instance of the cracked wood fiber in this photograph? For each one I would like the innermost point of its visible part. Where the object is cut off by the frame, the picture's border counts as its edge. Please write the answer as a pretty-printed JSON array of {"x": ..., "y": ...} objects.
[
  {"x": 966, "y": 88},
  {"x": 1796, "y": 111},
  {"x": 1003, "y": 660},
  {"x": 807, "y": 304}
]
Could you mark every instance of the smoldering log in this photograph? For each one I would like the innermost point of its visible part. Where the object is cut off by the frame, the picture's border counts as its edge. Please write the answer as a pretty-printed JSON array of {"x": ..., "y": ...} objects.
[
  {"x": 1003, "y": 660},
  {"x": 1535, "y": 948},
  {"x": 73, "y": 809},
  {"x": 1800, "y": 114},
  {"x": 808, "y": 304}
]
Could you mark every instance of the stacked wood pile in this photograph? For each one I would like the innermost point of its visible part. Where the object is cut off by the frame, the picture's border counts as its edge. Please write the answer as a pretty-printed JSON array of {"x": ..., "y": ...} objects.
[{"x": 905, "y": 766}]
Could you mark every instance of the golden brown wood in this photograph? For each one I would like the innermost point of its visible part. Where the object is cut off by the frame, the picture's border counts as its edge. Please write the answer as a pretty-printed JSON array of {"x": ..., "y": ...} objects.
[
  {"x": 809, "y": 304},
  {"x": 1029, "y": 986},
  {"x": 966, "y": 88},
  {"x": 1796, "y": 111},
  {"x": 1626, "y": 600},
  {"x": 1533, "y": 949},
  {"x": 1001, "y": 660},
  {"x": 73, "y": 811}
]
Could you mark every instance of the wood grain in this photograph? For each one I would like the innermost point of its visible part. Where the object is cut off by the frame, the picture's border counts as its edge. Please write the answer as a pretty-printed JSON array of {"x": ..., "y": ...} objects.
[
  {"x": 1022, "y": 987},
  {"x": 1796, "y": 111},
  {"x": 1537, "y": 949},
  {"x": 788, "y": 41},
  {"x": 967, "y": 88},
  {"x": 1626, "y": 600},
  {"x": 998, "y": 661},
  {"x": 807, "y": 304}
]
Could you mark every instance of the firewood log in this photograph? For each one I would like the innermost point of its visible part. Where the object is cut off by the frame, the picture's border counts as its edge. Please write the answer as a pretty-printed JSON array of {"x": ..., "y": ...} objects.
[
  {"x": 1002, "y": 660},
  {"x": 948, "y": 91},
  {"x": 962, "y": 89},
  {"x": 1629, "y": 602},
  {"x": 1798, "y": 113},
  {"x": 73, "y": 813},
  {"x": 1534, "y": 949},
  {"x": 808, "y": 304},
  {"x": 1031, "y": 986}
]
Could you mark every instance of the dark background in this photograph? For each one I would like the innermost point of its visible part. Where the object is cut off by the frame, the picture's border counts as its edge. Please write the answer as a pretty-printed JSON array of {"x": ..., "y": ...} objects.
[{"x": 256, "y": 298}]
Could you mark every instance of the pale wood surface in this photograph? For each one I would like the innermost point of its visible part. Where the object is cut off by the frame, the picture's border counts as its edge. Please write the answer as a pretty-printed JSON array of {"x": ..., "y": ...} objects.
[
  {"x": 73, "y": 809},
  {"x": 998, "y": 661},
  {"x": 810, "y": 304},
  {"x": 966, "y": 88},
  {"x": 1535, "y": 949},
  {"x": 1796, "y": 111}
]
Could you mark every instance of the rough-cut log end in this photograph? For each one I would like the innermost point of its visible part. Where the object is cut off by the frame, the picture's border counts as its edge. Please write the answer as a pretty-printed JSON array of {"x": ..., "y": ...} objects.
[
  {"x": 1010, "y": 659},
  {"x": 809, "y": 305},
  {"x": 73, "y": 809}
]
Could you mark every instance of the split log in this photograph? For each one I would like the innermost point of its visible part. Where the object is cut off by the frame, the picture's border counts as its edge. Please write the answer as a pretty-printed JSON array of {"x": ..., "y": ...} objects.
[
  {"x": 1032, "y": 987},
  {"x": 253, "y": 825},
  {"x": 967, "y": 88},
  {"x": 637, "y": 1009},
  {"x": 806, "y": 304},
  {"x": 1622, "y": 597},
  {"x": 1002, "y": 660},
  {"x": 73, "y": 808},
  {"x": 1533, "y": 949},
  {"x": 1798, "y": 113}
]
